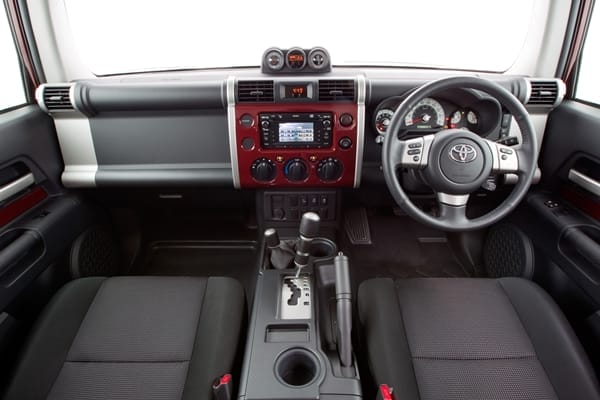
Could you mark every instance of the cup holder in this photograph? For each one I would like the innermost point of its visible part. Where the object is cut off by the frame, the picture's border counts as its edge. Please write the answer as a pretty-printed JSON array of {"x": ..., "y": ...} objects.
[
  {"x": 322, "y": 248},
  {"x": 297, "y": 367}
]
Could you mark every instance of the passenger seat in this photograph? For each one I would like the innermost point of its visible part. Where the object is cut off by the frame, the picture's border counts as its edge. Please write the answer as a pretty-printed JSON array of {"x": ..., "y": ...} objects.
[{"x": 132, "y": 338}]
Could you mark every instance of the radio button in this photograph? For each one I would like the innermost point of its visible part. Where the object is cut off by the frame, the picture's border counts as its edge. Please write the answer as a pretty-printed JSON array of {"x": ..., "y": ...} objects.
[
  {"x": 345, "y": 143},
  {"x": 265, "y": 124},
  {"x": 326, "y": 123},
  {"x": 346, "y": 120},
  {"x": 247, "y": 120}
]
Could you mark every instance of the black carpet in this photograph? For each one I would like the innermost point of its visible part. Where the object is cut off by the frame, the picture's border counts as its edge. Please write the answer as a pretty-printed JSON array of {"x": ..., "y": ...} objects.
[{"x": 402, "y": 248}]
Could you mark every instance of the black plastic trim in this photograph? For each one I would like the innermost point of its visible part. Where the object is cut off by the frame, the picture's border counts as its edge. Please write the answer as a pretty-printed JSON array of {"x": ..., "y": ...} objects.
[
  {"x": 166, "y": 177},
  {"x": 93, "y": 98}
]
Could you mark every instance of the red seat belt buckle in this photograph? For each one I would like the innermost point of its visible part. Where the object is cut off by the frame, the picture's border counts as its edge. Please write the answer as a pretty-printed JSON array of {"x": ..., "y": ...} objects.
[
  {"x": 222, "y": 387},
  {"x": 385, "y": 392}
]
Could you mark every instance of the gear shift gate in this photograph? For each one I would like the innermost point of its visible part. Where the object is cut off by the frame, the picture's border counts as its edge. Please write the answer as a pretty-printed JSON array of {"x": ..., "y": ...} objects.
[{"x": 296, "y": 298}]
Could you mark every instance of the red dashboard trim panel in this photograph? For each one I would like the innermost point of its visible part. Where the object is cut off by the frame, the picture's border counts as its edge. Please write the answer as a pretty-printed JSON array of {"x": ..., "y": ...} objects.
[
  {"x": 21, "y": 205},
  {"x": 246, "y": 157}
]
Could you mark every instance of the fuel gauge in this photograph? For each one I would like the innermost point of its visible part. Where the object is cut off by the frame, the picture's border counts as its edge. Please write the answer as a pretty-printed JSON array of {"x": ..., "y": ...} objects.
[{"x": 455, "y": 118}]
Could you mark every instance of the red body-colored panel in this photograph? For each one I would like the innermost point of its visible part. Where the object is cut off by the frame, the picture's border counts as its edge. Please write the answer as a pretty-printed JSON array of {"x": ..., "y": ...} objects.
[
  {"x": 21, "y": 205},
  {"x": 247, "y": 157}
]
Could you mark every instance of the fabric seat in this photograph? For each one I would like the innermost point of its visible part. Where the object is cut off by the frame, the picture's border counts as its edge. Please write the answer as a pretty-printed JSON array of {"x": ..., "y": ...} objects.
[
  {"x": 471, "y": 339},
  {"x": 132, "y": 338}
]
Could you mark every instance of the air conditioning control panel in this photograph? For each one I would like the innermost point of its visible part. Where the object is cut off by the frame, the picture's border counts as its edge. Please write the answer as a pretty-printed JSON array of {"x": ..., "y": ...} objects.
[{"x": 298, "y": 145}]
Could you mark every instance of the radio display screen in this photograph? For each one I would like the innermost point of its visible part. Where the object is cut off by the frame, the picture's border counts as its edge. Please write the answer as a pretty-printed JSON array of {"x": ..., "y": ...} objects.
[{"x": 296, "y": 132}]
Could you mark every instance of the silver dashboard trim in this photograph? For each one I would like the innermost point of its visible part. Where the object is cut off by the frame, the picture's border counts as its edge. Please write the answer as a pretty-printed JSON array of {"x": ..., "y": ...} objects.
[
  {"x": 231, "y": 127},
  {"x": 360, "y": 127},
  {"x": 75, "y": 140},
  {"x": 584, "y": 181}
]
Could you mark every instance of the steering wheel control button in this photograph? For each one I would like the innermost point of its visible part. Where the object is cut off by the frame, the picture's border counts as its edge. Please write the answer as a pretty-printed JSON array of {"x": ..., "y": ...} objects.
[
  {"x": 507, "y": 160},
  {"x": 413, "y": 152},
  {"x": 346, "y": 120},
  {"x": 345, "y": 143},
  {"x": 415, "y": 145}
]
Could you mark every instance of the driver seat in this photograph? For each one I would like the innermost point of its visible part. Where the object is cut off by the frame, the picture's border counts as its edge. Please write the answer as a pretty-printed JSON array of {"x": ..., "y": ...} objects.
[{"x": 453, "y": 338}]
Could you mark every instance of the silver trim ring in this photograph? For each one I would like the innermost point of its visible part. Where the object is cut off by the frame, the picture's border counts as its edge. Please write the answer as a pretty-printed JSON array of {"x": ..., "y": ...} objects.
[{"x": 463, "y": 153}]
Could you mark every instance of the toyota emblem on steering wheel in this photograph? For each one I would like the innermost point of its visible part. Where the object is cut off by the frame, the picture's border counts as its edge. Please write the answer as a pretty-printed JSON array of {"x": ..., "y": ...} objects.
[{"x": 463, "y": 153}]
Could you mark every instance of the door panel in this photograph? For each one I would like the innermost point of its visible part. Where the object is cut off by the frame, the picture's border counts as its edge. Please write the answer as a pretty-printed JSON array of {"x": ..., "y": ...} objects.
[
  {"x": 38, "y": 222},
  {"x": 562, "y": 218}
]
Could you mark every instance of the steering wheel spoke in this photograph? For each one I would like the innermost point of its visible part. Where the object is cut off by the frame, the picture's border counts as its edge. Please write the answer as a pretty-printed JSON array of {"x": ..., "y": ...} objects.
[
  {"x": 453, "y": 208},
  {"x": 413, "y": 153},
  {"x": 505, "y": 158}
]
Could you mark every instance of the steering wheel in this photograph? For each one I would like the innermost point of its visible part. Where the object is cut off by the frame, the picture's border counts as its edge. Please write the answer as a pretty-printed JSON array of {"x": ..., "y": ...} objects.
[{"x": 456, "y": 162}]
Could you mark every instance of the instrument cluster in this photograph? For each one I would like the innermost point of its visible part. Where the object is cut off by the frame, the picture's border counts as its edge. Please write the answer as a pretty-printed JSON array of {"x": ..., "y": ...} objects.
[{"x": 432, "y": 114}]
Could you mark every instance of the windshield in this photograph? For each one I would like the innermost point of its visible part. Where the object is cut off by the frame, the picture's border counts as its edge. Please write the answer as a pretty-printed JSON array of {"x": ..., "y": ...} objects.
[{"x": 116, "y": 36}]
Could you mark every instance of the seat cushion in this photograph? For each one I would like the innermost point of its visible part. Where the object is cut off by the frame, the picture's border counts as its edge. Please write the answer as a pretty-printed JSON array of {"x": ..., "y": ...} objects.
[
  {"x": 132, "y": 338},
  {"x": 471, "y": 339}
]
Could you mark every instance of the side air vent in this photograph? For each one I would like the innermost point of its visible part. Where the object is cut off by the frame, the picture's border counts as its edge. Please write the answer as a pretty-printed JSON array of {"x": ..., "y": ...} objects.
[
  {"x": 336, "y": 90},
  {"x": 546, "y": 93},
  {"x": 255, "y": 91},
  {"x": 56, "y": 98}
]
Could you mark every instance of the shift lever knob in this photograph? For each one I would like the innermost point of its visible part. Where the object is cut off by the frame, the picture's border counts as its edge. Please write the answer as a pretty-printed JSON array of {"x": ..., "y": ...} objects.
[
  {"x": 309, "y": 229},
  {"x": 309, "y": 225},
  {"x": 271, "y": 238}
]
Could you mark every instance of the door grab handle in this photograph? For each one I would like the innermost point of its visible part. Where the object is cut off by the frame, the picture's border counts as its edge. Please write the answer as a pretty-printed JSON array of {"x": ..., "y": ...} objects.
[
  {"x": 16, "y": 186},
  {"x": 584, "y": 181}
]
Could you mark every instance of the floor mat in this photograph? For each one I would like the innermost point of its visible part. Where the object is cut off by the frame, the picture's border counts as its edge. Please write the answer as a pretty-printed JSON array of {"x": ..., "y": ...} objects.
[{"x": 402, "y": 248}]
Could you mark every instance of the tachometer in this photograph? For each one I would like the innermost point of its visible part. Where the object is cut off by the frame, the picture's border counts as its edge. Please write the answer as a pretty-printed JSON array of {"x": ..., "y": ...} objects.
[
  {"x": 382, "y": 120},
  {"x": 427, "y": 114}
]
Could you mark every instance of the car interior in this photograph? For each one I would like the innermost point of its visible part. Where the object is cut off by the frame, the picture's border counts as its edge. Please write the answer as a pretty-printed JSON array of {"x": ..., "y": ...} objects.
[{"x": 215, "y": 217}]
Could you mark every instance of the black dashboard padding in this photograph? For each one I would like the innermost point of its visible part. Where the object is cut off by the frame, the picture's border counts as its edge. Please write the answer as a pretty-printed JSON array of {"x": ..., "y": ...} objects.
[
  {"x": 93, "y": 98},
  {"x": 198, "y": 139}
]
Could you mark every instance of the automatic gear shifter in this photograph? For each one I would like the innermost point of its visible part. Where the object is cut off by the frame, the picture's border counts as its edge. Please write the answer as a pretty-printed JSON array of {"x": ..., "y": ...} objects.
[{"x": 309, "y": 229}]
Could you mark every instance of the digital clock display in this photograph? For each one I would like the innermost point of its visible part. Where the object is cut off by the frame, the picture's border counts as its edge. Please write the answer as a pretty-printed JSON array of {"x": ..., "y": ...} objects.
[{"x": 296, "y": 91}]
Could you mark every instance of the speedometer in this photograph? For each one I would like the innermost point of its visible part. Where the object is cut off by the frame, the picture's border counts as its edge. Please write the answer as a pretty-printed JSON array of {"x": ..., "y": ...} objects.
[{"x": 427, "y": 114}]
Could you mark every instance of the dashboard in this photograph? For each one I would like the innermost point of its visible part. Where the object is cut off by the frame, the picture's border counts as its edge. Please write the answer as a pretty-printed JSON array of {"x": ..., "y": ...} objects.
[{"x": 295, "y": 122}]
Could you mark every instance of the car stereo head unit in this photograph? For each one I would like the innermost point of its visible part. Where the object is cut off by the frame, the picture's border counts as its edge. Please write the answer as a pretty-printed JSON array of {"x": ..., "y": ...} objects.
[{"x": 296, "y": 130}]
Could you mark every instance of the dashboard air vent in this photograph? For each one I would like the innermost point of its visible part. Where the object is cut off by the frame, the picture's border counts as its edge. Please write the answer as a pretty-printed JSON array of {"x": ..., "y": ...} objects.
[
  {"x": 57, "y": 98},
  {"x": 255, "y": 91},
  {"x": 545, "y": 93},
  {"x": 336, "y": 90}
]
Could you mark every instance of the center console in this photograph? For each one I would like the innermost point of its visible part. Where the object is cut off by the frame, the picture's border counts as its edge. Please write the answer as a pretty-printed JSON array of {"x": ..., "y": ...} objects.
[
  {"x": 291, "y": 132},
  {"x": 299, "y": 343}
]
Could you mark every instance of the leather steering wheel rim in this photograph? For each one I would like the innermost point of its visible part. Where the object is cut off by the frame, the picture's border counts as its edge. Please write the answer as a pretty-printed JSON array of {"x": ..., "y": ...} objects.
[{"x": 452, "y": 217}]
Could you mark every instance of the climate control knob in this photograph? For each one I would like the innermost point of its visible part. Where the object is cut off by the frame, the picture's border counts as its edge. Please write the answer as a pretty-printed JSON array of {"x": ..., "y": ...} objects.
[
  {"x": 295, "y": 170},
  {"x": 329, "y": 169},
  {"x": 263, "y": 170}
]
